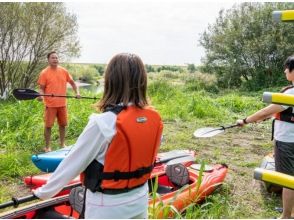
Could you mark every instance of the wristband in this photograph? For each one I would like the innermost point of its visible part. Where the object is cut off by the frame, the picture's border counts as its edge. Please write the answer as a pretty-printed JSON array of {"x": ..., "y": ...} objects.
[{"x": 244, "y": 121}]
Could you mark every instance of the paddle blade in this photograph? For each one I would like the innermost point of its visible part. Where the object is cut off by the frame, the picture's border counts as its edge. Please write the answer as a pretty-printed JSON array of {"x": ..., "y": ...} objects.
[
  {"x": 207, "y": 132},
  {"x": 182, "y": 160},
  {"x": 25, "y": 94},
  {"x": 207, "y": 168}
]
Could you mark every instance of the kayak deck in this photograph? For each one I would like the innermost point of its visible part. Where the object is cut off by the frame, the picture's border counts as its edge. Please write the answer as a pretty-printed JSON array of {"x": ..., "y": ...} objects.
[{"x": 179, "y": 197}]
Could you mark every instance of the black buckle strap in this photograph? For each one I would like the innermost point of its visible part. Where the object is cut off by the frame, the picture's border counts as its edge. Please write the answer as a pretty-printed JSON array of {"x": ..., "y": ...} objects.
[
  {"x": 117, "y": 175},
  {"x": 117, "y": 191},
  {"x": 273, "y": 129},
  {"x": 115, "y": 109},
  {"x": 139, "y": 172}
]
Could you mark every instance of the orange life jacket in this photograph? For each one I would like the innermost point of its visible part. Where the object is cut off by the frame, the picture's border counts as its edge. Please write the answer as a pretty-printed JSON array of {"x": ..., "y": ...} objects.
[
  {"x": 131, "y": 154},
  {"x": 286, "y": 115}
]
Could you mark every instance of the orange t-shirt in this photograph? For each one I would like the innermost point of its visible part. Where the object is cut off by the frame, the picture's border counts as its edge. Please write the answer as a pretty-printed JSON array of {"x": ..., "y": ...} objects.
[{"x": 54, "y": 81}]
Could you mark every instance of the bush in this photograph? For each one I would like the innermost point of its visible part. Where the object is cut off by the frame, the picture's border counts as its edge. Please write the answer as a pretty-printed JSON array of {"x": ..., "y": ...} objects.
[
  {"x": 85, "y": 73},
  {"x": 199, "y": 81},
  {"x": 149, "y": 68},
  {"x": 191, "y": 68},
  {"x": 170, "y": 68}
]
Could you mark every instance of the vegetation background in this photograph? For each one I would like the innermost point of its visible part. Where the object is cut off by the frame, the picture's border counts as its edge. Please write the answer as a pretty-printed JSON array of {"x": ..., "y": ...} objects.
[
  {"x": 245, "y": 51},
  {"x": 186, "y": 101}
]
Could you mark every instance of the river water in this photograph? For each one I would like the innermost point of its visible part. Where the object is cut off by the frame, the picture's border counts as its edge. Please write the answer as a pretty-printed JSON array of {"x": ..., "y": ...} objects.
[{"x": 89, "y": 87}]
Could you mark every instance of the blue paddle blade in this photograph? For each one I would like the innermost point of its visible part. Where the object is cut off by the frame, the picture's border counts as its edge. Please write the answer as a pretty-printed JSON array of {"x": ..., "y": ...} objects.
[{"x": 25, "y": 94}]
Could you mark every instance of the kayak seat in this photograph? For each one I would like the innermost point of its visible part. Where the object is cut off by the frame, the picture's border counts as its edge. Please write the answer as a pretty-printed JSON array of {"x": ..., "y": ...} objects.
[
  {"x": 164, "y": 189},
  {"x": 76, "y": 198},
  {"x": 178, "y": 174},
  {"x": 50, "y": 213},
  {"x": 161, "y": 189}
]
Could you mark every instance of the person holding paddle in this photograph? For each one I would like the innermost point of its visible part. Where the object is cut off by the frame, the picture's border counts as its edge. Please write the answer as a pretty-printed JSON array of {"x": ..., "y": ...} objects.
[
  {"x": 117, "y": 149},
  {"x": 53, "y": 80},
  {"x": 283, "y": 134}
]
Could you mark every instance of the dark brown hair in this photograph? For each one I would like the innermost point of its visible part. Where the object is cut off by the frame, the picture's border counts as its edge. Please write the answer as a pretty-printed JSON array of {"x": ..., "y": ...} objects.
[
  {"x": 125, "y": 81},
  {"x": 289, "y": 63},
  {"x": 49, "y": 54}
]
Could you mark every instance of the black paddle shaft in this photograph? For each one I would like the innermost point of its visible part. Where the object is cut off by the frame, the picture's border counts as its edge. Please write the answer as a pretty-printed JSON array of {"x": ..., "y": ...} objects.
[
  {"x": 230, "y": 126},
  {"x": 28, "y": 94},
  {"x": 224, "y": 127},
  {"x": 17, "y": 201},
  {"x": 210, "y": 132}
]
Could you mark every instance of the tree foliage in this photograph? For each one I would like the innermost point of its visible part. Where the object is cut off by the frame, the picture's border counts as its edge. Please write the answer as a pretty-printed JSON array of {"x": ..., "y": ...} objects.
[
  {"x": 245, "y": 46},
  {"x": 169, "y": 68},
  {"x": 149, "y": 68},
  {"x": 85, "y": 73},
  {"x": 100, "y": 68},
  {"x": 191, "y": 68},
  {"x": 28, "y": 31}
]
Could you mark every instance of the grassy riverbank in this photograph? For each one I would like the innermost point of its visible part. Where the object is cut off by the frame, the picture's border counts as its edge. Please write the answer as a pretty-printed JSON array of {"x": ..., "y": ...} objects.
[{"x": 186, "y": 102}]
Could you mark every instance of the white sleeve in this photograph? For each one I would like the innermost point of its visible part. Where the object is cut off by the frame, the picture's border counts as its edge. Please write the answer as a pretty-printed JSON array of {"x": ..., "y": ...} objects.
[{"x": 82, "y": 154}]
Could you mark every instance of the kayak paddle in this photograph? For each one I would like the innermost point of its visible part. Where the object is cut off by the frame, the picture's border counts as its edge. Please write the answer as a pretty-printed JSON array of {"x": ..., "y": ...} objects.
[
  {"x": 17, "y": 201},
  {"x": 210, "y": 132},
  {"x": 174, "y": 154},
  {"x": 187, "y": 159},
  {"x": 23, "y": 211},
  {"x": 28, "y": 94}
]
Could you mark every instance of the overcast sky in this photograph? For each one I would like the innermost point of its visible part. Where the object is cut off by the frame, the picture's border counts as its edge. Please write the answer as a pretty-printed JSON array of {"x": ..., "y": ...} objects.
[{"x": 159, "y": 31}]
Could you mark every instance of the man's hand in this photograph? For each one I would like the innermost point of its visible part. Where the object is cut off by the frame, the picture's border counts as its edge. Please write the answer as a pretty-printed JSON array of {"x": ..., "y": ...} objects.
[
  {"x": 33, "y": 191},
  {"x": 78, "y": 96},
  {"x": 40, "y": 98},
  {"x": 240, "y": 122}
]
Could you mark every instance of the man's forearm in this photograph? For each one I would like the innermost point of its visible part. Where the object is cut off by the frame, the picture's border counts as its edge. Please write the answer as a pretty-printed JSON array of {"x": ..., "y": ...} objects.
[
  {"x": 42, "y": 89},
  {"x": 75, "y": 88},
  {"x": 42, "y": 92}
]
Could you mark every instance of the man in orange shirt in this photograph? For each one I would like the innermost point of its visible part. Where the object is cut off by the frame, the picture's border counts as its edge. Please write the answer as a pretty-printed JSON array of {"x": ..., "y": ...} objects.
[{"x": 53, "y": 80}]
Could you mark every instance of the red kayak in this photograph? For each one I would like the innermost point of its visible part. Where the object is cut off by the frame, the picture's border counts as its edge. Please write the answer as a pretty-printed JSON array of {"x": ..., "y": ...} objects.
[
  {"x": 171, "y": 193},
  {"x": 185, "y": 157},
  {"x": 48, "y": 162}
]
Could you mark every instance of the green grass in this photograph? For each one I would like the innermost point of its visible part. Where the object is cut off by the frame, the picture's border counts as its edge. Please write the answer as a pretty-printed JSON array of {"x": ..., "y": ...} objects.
[{"x": 186, "y": 102}]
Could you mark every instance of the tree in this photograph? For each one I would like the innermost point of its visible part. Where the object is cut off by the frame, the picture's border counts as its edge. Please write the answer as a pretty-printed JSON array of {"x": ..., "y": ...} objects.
[
  {"x": 246, "y": 45},
  {"x": 191, "y": 68},
  {"x": 85, "y": 73},
  {"x": 100, "y": 68},
  {"x": 28, "y": 31},
  {"x": 149, "y": 68}
]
